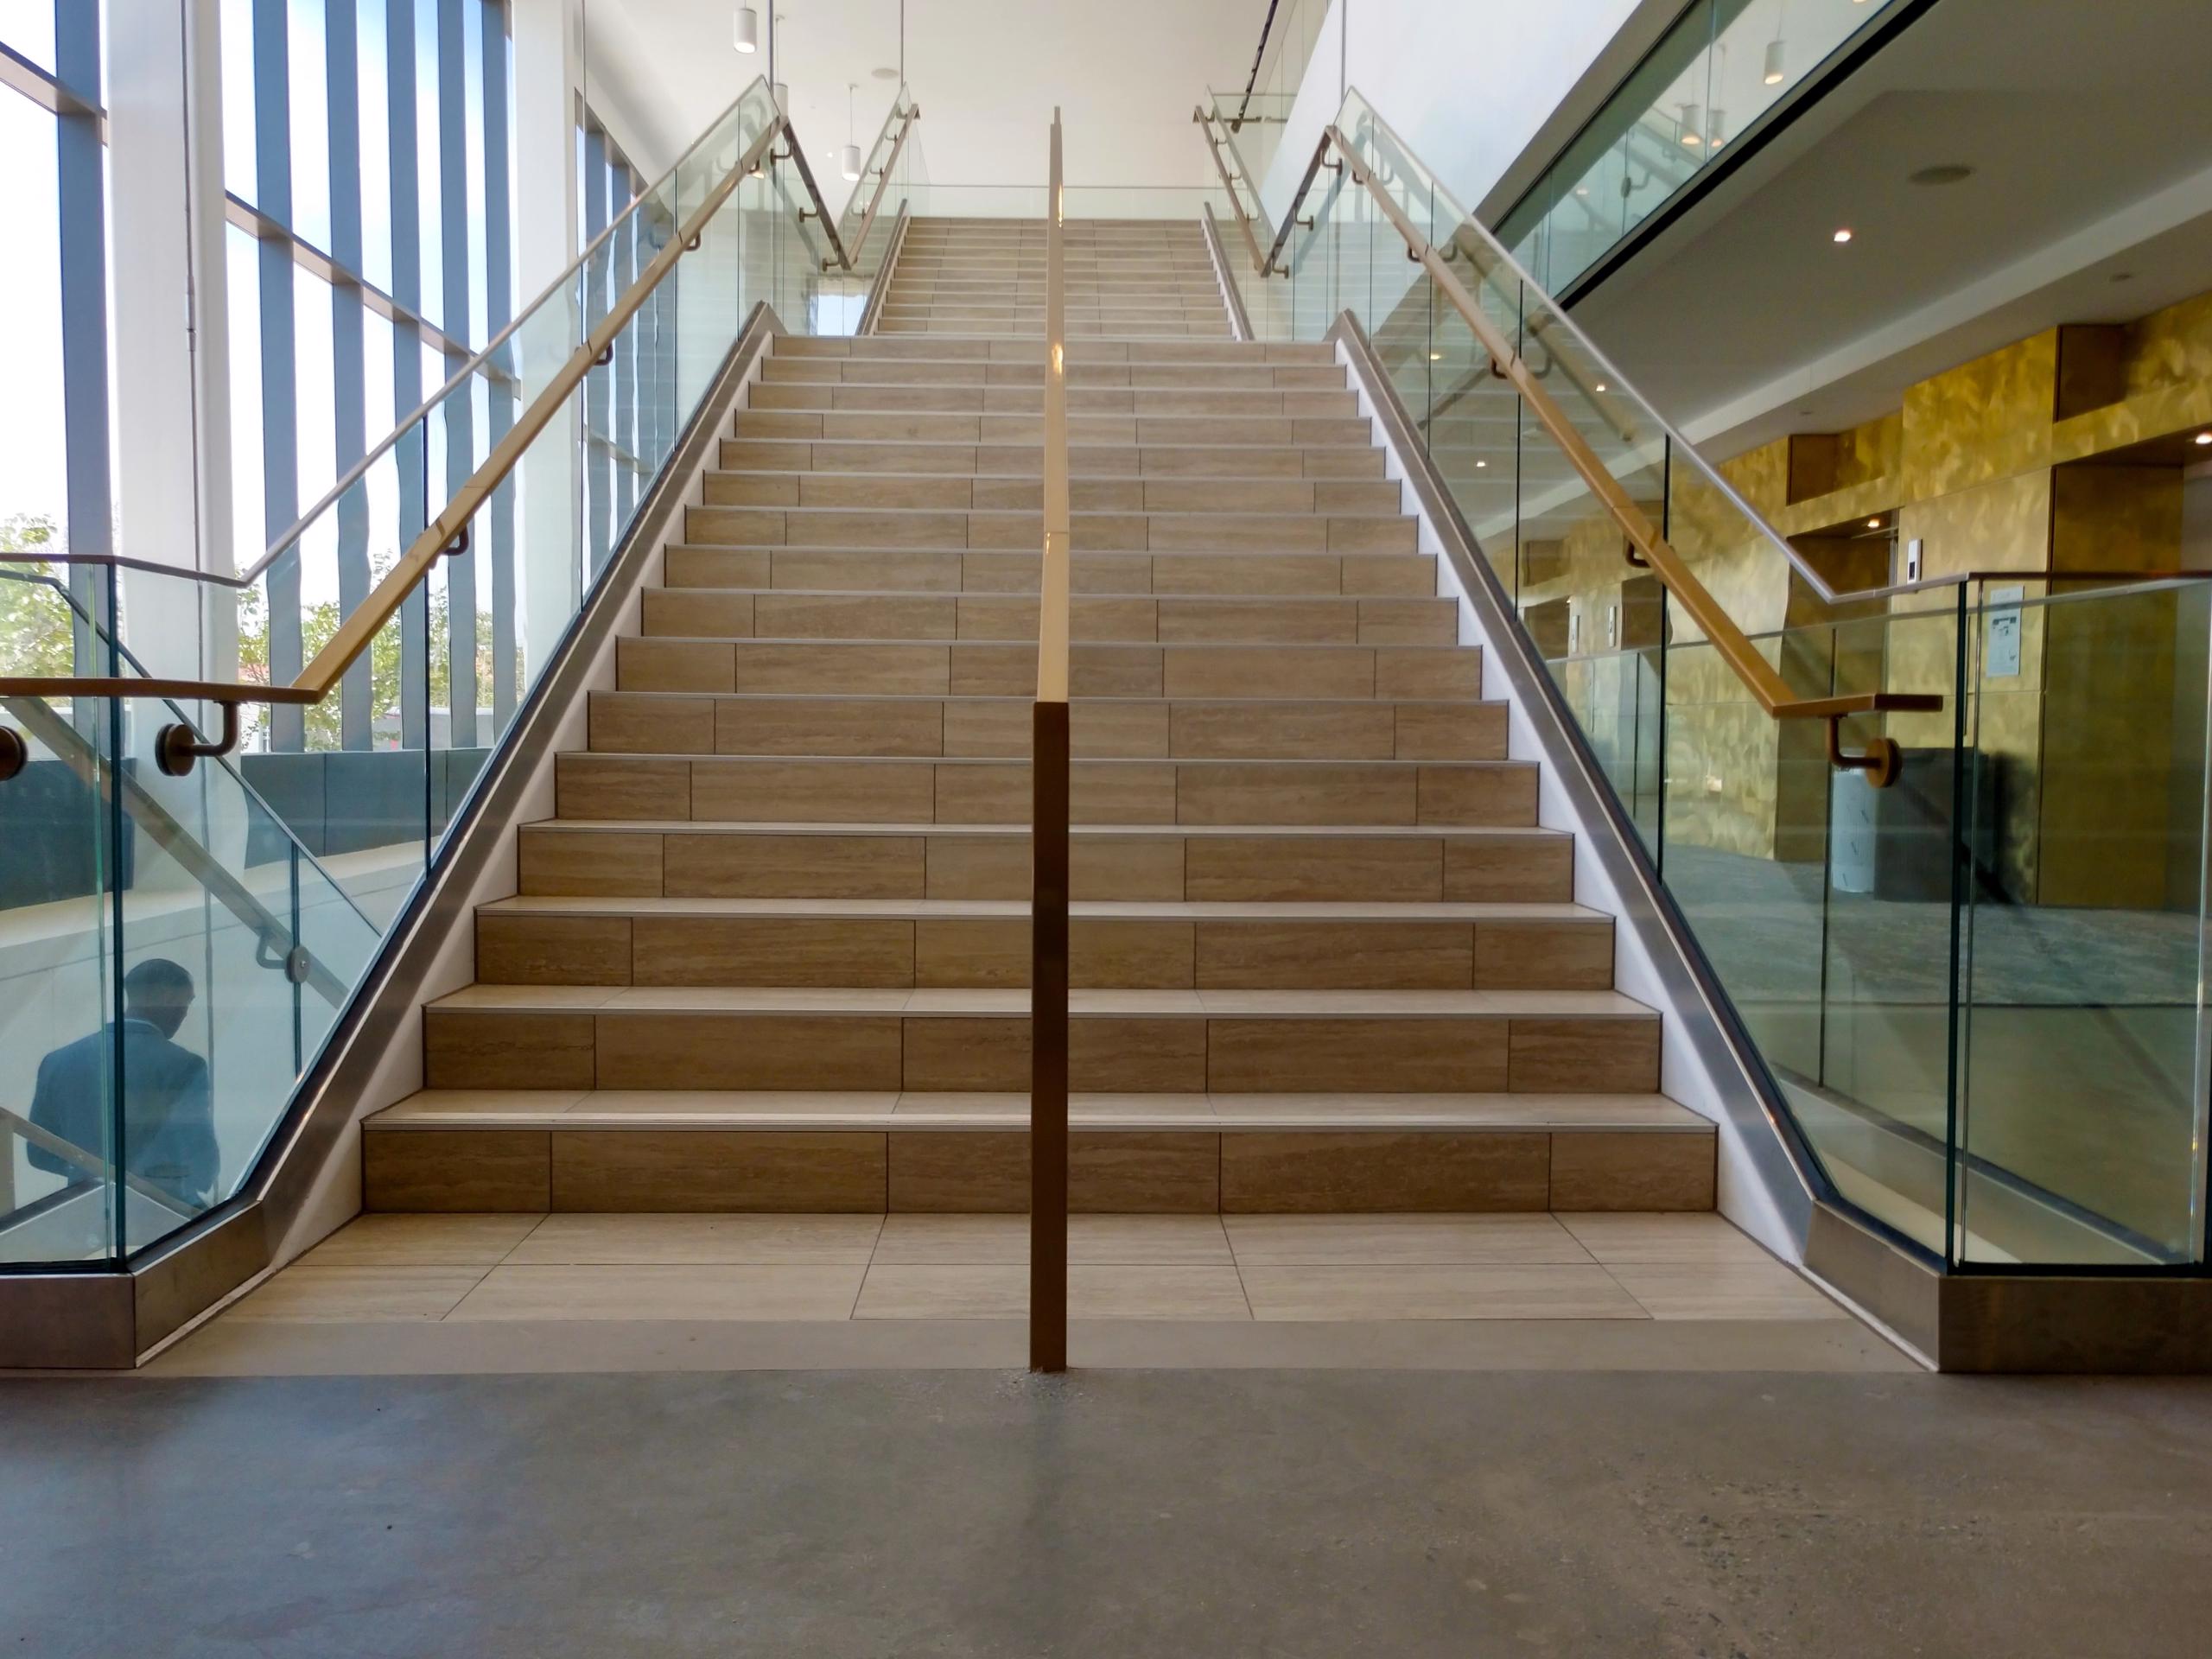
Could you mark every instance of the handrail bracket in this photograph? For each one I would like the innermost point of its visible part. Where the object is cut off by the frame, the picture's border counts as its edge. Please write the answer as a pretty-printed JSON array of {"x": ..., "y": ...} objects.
[
  {"x": 178, "y": 747},
  {"x": 1881, "y": 759}
]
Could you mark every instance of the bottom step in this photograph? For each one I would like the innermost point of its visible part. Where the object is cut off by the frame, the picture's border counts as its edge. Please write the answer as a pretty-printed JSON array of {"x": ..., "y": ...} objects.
[{"x": 475, "y": 1151}]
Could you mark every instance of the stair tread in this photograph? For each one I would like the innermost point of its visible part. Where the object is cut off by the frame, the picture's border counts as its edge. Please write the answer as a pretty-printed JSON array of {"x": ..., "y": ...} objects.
[
  {"x": 973, "y": 1001},
  {"x": 1020, "y": 760},
  {"x": 619, "y": 1109},
  {"x": 1134, "y": 910}
]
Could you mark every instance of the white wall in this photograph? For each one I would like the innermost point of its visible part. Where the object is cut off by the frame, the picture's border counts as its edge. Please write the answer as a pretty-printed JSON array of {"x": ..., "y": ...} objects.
[{"x": 1466, "y": 83}]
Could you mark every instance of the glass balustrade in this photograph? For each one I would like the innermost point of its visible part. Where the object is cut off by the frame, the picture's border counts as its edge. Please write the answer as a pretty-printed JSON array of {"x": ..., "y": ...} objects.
[
  {"x": 177, "y": 949},
  {"x": 1711, "y": 79},
  {"x": 1978, "y": 992}
]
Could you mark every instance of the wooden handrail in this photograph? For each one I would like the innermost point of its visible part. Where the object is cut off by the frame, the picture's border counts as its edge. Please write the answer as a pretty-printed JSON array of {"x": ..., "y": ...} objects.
[{"x": 1048, "y": 837}]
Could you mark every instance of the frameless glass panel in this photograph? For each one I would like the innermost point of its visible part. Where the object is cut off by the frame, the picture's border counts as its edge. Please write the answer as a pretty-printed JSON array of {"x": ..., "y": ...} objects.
[
  {"x": 60, "y": 1201},
  {"x": 2082, "y": 1129}
]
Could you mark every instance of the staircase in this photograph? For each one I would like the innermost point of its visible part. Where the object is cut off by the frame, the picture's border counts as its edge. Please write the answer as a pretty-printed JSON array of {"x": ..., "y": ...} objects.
[{"x": 770, "y": 952}]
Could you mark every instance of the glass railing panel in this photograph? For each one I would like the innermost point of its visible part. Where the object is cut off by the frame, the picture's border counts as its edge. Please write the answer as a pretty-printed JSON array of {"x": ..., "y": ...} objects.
[
  {"x": 255, "y": 893},
  {"x": 59, "y": 1199},
  {"x": 1722, "y": 65},
  {"x": 224, "y": 1003},
  {"x": 2082, "y": 1128}
]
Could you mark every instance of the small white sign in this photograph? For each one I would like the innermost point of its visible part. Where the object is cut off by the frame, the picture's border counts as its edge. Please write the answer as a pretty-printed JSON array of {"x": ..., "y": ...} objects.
[{"x": 2000, "y": 652}]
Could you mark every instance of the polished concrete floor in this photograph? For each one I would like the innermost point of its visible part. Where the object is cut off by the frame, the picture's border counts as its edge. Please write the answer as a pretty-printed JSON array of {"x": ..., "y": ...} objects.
[{"x": 1119, "y": 1513}]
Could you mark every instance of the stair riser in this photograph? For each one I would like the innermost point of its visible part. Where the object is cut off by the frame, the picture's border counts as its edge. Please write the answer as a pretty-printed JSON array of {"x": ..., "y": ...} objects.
[
  {"x": 1195, "y": 1170},
  {"x": 949, "y": 570},
  {"x": 693, "y": 614},
  {"x": 1084, "y": 460},
  {"x": 1103, "y": 953},
  {"x": 1217, "y": 376},
  {"x": 668, "y": 723},
  {"x": 1205, "y": 532},
  {"x": 1345, "y": 432},
  {"x": 738, "y": 789},
  {"x": 1082, "y": 400},
  {"x": 472, "y": 1048},
  {"x": 1495, "y": 868},
  {"x": 988, "y": 669},
  {"x": 880, "y": 348},
  {"x": 903, "y": 491}
]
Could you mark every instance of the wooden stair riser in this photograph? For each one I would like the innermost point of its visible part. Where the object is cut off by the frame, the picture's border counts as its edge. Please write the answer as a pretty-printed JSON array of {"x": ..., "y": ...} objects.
[
  {"x": 959, "y": 427},
  {"x": 1026, "y": 460},
  {"x": 815, "y": 790},
  {"x": 535, "y": 947},
  {"x": 679, "y": 613},
  {"x": 646, "y": 1048},
  {"x": 1191, "y": 1170},
  {"x": 1204, "y": 532},
  {"x": 935, "y": 492},
  {"x": 1323, "y": 865},
  {"x": 1092, "y": 571},
  {"x": 664, "y": 723},
  {"x": 976, "y": 668}
]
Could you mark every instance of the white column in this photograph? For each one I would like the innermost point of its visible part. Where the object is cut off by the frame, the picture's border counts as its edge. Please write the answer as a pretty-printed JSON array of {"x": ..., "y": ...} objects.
[
  {"x": 549, "y": 68},
  {"x": 170, "y": 322}
]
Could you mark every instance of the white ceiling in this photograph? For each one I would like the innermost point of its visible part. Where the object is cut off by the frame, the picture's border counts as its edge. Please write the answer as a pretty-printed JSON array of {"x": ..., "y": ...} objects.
[
  {"x": 2091, "y": 136},
  {"x": 986, "y": 73}
]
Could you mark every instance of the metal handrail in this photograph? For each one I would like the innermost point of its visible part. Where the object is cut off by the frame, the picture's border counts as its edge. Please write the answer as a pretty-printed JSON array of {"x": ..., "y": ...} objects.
[
  {"x": 1244, "y": 220},
  {"x": 444, "y": 533},
  {"x": 1048, "y": 859},
  {"x": 847, "y": 259}
]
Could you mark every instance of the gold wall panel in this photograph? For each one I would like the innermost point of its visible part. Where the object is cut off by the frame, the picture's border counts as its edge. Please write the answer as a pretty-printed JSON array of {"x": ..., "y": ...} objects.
[{"x": 1984, "y": 419}]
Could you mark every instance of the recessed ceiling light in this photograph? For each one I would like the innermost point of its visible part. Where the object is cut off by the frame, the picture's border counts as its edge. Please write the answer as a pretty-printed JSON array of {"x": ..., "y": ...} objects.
[
  {"x": 1873, "y": 524},
  {"x": 1600, "y": 386},
  {"x": 886, "y": 72},
  {"x": 1436, "y": 357},
  {"x": 1843, "y": 235},
  {"x": 1942, "y": 173},
  {"x": 2204, "y": 438},
  {"x": 1481, "y": 464},
  {"x": 2121, "y": 277},
  {"x": 1581, "y": 189}
]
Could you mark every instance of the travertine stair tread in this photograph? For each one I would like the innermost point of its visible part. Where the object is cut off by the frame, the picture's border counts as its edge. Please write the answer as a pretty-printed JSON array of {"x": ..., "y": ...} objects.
[
  {"x": 970, "y": 1002},
  {"x": 619, "y": 1109},
  {"x": 1108, "y": 909}
]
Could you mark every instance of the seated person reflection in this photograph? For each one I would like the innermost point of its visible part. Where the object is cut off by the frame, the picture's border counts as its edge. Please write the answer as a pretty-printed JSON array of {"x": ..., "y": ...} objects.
[{"x": 168, "y": 1109}]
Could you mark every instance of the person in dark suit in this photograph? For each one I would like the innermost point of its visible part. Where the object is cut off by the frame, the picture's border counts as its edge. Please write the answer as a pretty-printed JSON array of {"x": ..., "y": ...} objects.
[{"x": 168, "y": 1113}]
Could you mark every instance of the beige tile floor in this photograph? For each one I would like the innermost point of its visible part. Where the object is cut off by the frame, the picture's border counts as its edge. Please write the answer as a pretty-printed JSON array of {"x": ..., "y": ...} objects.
[{"x": 456, "y": 1269}]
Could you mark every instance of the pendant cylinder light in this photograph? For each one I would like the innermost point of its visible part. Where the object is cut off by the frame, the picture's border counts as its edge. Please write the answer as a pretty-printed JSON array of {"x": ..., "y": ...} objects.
[
  {"x": 849, "y": 158},
  {"x": 1692, "y": 125},
  {"x": 745, "y": 36},
  {"x": 1775, "y": 55}
]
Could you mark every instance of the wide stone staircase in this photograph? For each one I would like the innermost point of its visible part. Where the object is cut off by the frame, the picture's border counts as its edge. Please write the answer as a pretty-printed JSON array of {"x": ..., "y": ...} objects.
[{"x": 770, "y": 952}]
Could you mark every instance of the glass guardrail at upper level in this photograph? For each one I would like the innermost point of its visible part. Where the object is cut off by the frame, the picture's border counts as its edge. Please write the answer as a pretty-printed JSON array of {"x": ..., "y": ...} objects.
[
  {"x": 1973, "y": 972},
  {"x": 1723, "y": 67},
  {"x": 178, "y": 938}
]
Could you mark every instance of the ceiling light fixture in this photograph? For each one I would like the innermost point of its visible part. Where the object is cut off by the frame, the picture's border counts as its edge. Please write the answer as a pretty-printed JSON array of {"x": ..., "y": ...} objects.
[
  {"x": 1600, "y": 386},
  {"x": 1942, "y": 173},
  {"x": 1693, "y": 133},
  {"x": 1436, "y": 357},
  {"x": 2204, "y": 438},
  {"x": 1775, "y": 55},
  {"x": 1843, "y": 235},
  {"x": 1873, "y": 524},
  {"x": 848, "y": 160},
  {"x": 746, "y": 30},
  {"x": 1480, "y": 464}
]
